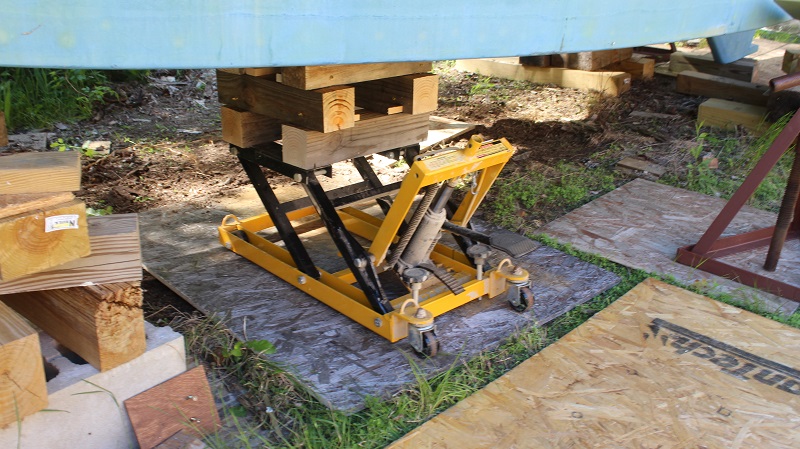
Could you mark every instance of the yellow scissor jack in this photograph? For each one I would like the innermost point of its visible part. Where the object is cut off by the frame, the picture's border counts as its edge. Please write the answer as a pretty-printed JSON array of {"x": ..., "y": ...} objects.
[{"x": 404, "y": 245}]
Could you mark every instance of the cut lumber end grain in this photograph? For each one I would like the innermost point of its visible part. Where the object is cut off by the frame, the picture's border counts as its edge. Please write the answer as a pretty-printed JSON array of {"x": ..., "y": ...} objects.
[
  {"x": 43, "y": 239},
  {"x": 104, "y": 324},
  {"x": 315, "y": 77},
  {"x": 38, "y": 172},
  {"x": 788, "y": 65},
  {"x": 715, "y": 86},
  {"x": 3, "y": 130},
  {"x": 745, "y": 69},
  {"x": 729, "y": 114},
  {"x": 416, "y": 93},
  {"x": 21, "y": 203},
  {"x": 23, "y": 388},
  {"x": 246, "y": 129}
]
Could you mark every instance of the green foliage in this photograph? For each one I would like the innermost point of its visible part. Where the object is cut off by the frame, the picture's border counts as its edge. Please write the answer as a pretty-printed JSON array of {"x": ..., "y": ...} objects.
[
  {"x": 483, "y": 86},
  {"x": 93, "y": 212},
  {"x": 779, "y": 36},
  {"x": 257, "y": 346}
]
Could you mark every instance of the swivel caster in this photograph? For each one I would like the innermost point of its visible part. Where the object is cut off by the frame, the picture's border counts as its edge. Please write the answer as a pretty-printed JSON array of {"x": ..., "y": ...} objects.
[
  {"x": 424, "y": 341},
  {"x": 522, "y": 301}
]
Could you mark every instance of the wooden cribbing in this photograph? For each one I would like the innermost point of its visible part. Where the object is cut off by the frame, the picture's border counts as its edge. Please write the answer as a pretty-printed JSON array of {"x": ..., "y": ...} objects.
[
  {"x": 743, "y": 70},
  {"x": 104, "y": 324},
  {"x": 246, "y": 129},
  {"x": 23, "y": 389},
  {"x": 590, "y": 60},
  {"x": 640, "y": 68},
  {"x": 324, "y": 110},
  {"x": 115, "y": 257},
  {"x": 715, "y": 86},
  {"x": 372, "y": 134},
  {"x": 39, "y": 240},
  {"x": 729, "y": 114},
  {"x": 315, "y": 77},
  {"x": 417, "y": 93},
  {"x": 38, "y": 172},
  {"x": 21, "y": 203},
  {"x": 3, "y": 130}
]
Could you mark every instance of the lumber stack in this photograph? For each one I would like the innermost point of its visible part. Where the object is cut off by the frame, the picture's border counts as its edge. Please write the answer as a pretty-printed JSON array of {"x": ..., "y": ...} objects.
[
  {"x": 327, "y": 114},
  {"x": 74, "y": 277}
]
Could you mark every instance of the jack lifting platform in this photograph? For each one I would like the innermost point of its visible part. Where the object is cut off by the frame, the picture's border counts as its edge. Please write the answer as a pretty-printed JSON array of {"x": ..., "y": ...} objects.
[{"x": 404, "y": 248}]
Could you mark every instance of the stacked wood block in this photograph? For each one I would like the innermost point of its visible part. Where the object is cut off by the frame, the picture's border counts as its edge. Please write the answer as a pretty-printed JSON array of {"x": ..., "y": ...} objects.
[
  {"x": 74, "y": 277},
  {"x": 327, "y": 114}
]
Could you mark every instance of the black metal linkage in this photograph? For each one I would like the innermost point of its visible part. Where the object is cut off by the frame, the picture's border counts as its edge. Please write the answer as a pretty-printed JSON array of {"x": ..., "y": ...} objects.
[
  {"x": 367, "y": 174},
  {"x": 354, "y": 254},
  {"x": 279, "y": 218}
]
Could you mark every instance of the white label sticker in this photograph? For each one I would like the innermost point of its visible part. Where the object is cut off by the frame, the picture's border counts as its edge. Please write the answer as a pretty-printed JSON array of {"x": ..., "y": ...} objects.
[{"x": 60, "y": 223}]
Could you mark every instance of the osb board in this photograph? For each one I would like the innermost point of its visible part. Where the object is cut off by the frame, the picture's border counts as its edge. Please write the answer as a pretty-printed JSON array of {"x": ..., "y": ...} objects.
[
  {"x": 338, "y": 359},
  {"x": 642, "y": 224},
  {"x": 661, "y": 367}
]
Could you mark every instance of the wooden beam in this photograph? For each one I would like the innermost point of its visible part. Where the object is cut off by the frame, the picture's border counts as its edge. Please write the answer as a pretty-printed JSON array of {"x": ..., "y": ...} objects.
[
  {"x": 318, "y": 76},
  {"x": 609, "y": 83},
  {"x": 246, "y": 129},
  {"x": 104, "y": 324},
  {"x": 417, "y": 93},
  {"x": 39, "y": 240},
  {"x": 16, "y": 204},
  {"x": 115, "y": 257},
  {"x": 714, "y": 86},
  {"x": 639, "y": 67},
  {"x": 38, "y": 172},
  {"x": 23, "y": 389},
  {"x": 728, "y": 114},
  {"x": 590, "y": 60},
  {"x": 324, "y": 110},
  {"x": 254, "y": 71},
  {"x": 3, "y": 130},
  {"x": 743, "y": 70},
  {"x": 790, "y": 60},
  {"x": 372, "y": 134}
]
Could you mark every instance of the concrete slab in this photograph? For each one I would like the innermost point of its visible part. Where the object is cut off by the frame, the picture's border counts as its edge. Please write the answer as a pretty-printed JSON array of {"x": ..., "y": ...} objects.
[
  {"x": 85, "y": 406},
  {"x": 642, "y": 224},
  {"x": 337, "y": 358}
]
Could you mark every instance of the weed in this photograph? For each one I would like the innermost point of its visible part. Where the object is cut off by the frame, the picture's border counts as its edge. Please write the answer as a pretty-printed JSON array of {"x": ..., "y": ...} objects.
[
  {"x": 482, "y": 87},
  {"x": 778, "y": 36}
]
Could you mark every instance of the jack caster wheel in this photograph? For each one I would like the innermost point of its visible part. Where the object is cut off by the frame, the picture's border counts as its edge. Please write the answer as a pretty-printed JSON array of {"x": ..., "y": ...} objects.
[
  {"x": 430, "y": 344},
  {"x": 523, "y": 302}
]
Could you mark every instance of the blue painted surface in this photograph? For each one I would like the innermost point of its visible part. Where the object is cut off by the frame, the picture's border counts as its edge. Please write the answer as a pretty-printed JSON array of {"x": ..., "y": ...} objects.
[
  {"x": 254, "y": 33},
  {"x": 731, "y": 47}
]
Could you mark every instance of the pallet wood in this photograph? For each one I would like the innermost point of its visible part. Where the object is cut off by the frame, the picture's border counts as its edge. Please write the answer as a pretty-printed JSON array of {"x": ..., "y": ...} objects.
[
  {"x": 39, "y": 172},
  {"x": 661, "y": 367},
  {"x": 639, "y": 67},
  {"x": 246, "y": 129},
  {"x": 115, "y": 257},
  {"x": 23, "y": 389},
  {"x": 372, "y": 134},
  {"x": 325, "y": 110},
  {"x": 715, "y": 86},
  {"x": 745, "y": 69},
  {"x": 104, "y": 324},
  {"x": 609, "y": 83},
  {"x": 417, "y": 93},
  {"x": 183, "y": 403},
  {"x": 21, "y": 203},
  {"x": 590, "y": 60},
  {"x": 319, "y": 76},
  {"x": 3, "y": 130},
  {"x": 43, "y": 239},
  {"x": 726, "y": 114}
]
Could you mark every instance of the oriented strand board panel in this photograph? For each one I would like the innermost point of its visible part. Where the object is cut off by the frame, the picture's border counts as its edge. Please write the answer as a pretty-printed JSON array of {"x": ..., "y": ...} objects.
[
  {"x": 36, "y": 172},
  {"x": 318, "y": 76},
  {"x": 661, "y": 367}
]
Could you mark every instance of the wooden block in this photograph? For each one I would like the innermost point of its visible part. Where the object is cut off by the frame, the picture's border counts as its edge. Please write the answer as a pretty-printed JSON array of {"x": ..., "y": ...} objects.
[
  {"x": 37, "y": 172},
  {"x": 372, "y": 134},
  {"x": 743, "y": 70},
  {"x": 36, "y": 241},
  {"x": 417, "y": 93},
  {"x": 23, "y": 389},
  {"x": 609, "y": 83},
  {"x": 714, "y": 86},
  {"x": 590, "y": 60},
  {"x": 728, "y": 114},
  {"x": 318, "y": 76},
  {"x": 104, "y": 324},
  {"x": 115, "y": 257},
  {"x": 660, "y": 367},
  {"x": 3, "y": 130},
  {"x": 442, "y": 130},
  {"x": 324, "y": 110},
  {"x": 640, "y": 68},
  {"x": 536, "y": 61},
  {"x": 789, "y": 64},
  {"x": 635, "y": 164},
  {"x": 21, "y": 203},
  {"x": 253, "y": 71},
  {"x": 246, "y": 129},
  {"x": 183, "y": 403}
]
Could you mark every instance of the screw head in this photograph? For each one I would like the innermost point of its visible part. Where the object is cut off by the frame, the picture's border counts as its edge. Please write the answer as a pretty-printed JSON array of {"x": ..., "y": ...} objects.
[
  {"x": 301, "y": 279},
  {"x": 297, "y": 177},
  {"x": 378, "y": 322}
]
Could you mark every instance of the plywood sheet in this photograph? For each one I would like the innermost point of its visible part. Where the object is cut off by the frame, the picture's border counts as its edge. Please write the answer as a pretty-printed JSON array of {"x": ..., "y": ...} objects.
[{"x": 661, "y": 367}]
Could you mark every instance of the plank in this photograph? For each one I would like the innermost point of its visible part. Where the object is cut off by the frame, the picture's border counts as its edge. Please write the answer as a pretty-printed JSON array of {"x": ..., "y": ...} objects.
[
  {"x": 609, "y": 83},
  {"x": 635, "y": 164},
  {"x": 183, "y": 403},
  {"x": 42, "y": 239},
  {"x": 719, "y": 113},
  {"x": 590, "y": 60},
  {"x": 639, "y": 67},
  {"x": 318, "y": 76},
  {"x": 661, "y": 367},
  {"x": 246, "y": 129},
  {"x": 23, "y": 390},
  {"x": 372, "y": 134},
  {"x": 115, "y": 257},
  {"x": 3, "y": 130},
  {"x": 104, "y": 324},
  {"x": 745, "y": 69},
  {"x": 417, "y": 93},
  {"x": 26, "y": 202},
  {"x": 715, "y": 86},
  {"x": 443, "y": 130},
  {"x": 326, "y": 110},
  {"x": 38, "y": 172}
]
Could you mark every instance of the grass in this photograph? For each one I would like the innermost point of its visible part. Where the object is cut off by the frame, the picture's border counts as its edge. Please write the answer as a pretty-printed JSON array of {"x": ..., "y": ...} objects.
[{"x": 779, "y": 36}]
